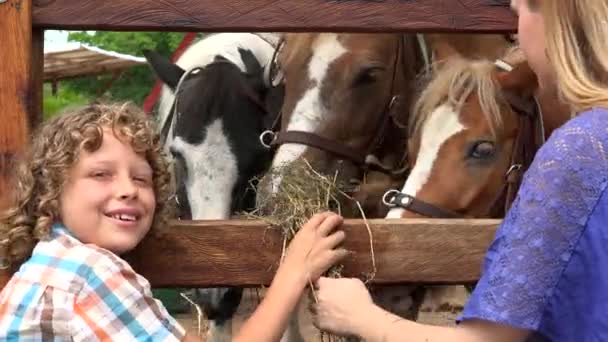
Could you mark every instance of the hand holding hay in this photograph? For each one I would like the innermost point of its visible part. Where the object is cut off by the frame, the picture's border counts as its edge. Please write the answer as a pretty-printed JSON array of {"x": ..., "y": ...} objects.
[
  {"x": 314, "y": 249},
  {"x": 301, "y": 194}
]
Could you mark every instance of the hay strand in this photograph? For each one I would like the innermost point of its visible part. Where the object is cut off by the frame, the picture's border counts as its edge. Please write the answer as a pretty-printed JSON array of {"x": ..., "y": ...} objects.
[
  {"x": 301, "y": 193},
  {"x": 199, "y": 314}
]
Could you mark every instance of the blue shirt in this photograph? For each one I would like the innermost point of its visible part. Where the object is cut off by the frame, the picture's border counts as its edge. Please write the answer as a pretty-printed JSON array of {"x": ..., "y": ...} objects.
[{"x": 547, "y": 269}]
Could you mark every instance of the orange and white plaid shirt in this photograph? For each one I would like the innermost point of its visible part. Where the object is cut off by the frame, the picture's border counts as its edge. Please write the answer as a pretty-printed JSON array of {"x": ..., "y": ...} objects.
[{"x": 69, "y": 291}]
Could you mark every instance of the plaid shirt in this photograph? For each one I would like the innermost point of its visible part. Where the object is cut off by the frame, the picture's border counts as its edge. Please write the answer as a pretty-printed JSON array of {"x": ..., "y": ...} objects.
[{"x": 71, "y": 291}]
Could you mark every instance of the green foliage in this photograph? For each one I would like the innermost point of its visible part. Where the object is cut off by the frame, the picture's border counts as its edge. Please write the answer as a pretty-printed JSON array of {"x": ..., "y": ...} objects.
[
  {"x": 135, "y": 83},
  {"x": 65, "y": 98}
]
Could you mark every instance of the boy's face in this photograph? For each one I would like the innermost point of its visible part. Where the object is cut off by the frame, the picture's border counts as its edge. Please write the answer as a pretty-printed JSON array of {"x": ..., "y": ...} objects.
[{"x": 109, "y": 197}]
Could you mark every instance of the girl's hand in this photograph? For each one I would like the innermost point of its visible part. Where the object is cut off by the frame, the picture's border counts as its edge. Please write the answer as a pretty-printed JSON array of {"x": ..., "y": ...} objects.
[
  {"x": 342, "y": 307},
  {"x": 313, "y": 249}
]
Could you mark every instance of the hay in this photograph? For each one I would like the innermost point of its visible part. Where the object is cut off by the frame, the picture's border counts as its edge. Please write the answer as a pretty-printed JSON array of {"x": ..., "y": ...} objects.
[
  {"x": 302, "y": 193},
  {"x": 201, "y": 326}
]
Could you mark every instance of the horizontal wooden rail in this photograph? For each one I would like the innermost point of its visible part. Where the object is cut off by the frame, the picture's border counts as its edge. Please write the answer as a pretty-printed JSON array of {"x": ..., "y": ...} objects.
[
  {"x": 246, "y": 253},
  {"x": 276, "y": 15}
]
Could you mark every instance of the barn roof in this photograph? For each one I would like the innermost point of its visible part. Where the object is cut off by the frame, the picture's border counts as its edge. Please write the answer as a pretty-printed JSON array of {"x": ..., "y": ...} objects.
[{"x": 76, "y": 59}]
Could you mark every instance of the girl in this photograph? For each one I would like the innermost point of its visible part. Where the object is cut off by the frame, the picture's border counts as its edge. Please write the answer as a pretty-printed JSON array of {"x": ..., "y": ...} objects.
[
  {"x": 93, "y": 184},
  {"x": 545, "y": 274}
]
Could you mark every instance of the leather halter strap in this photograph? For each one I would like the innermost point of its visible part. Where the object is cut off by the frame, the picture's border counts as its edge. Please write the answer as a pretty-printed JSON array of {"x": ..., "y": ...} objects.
[
  {"x": 530, "y": 137},
  {"x": 395, "y": 198}
]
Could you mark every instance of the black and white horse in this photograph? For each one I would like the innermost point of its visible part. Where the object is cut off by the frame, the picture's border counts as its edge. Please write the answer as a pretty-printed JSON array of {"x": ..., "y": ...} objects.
[{"x": 214, "y": 105}]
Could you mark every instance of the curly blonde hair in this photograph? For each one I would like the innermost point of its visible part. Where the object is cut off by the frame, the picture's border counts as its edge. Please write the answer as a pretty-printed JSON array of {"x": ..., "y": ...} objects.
[{"x": 42, "y": 173}]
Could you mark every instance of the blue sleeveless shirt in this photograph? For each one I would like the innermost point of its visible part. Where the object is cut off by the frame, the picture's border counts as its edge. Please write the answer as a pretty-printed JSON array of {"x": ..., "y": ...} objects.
[{"x": 547, "y": 269}]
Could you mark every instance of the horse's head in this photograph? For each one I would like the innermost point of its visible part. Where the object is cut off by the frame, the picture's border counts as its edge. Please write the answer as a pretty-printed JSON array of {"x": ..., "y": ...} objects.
[
  {"x": 218, "y": 114},
  {"x": 338, "y": 105},
  {"x": 473, "y": 131}
]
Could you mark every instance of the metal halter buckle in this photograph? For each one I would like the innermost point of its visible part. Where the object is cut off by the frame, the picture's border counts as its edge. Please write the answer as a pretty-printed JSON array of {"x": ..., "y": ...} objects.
[
  {"x": 513, "y": 168},
  {"x": 267, "y": 135},
  {"x": 389, "y": 197}
]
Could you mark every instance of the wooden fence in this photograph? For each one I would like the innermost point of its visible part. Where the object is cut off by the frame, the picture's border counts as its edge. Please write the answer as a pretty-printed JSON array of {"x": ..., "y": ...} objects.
[{"x": 239, "y": 252}]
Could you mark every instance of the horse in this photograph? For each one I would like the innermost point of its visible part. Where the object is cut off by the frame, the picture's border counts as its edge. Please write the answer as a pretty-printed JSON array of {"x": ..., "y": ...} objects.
[
  {"x": 474, "y": 131},
  {"x": 346, "y": 108},
  {"x": 214, "y": 105},
  {"x": 345, "y": 96}
]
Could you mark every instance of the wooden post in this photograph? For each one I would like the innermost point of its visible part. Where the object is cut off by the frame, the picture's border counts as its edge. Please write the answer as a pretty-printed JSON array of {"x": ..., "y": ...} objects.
[{"x": 15, "y": 89}]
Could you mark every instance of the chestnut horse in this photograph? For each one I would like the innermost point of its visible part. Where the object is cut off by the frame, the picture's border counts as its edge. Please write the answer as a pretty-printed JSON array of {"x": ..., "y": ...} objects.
[{"x": 474, "y": 130}]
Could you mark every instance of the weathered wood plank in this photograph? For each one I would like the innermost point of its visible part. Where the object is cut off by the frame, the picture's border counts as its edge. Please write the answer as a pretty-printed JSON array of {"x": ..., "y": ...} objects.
[
  {"x": 246, "y": 253},
  {"x": 15, "y": 90},
  {"x": 276, "y": 15}
]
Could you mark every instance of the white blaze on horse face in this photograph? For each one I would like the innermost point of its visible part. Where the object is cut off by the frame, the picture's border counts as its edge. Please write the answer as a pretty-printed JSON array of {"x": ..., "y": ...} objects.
[
  {"x": 212, "y": 171},
  {"x": 309, "y": 111},
  {"x": 440, "y": 126}
]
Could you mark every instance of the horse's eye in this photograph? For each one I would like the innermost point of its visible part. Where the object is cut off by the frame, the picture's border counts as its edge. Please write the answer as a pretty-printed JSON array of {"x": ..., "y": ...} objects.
[
  {"x": 367, "y": 76},
  {"x": 482, "y": 150}
]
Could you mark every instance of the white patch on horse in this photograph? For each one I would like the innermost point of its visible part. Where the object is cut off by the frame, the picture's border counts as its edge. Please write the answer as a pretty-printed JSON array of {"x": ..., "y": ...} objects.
[
  {"x": 309, "y": 111},
  {"x": 442, "y": 124},
  {"x": 213, "y": 169}
]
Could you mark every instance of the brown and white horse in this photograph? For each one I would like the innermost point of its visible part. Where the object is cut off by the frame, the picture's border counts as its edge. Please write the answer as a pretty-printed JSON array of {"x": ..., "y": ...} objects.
[
  {"x": 347, "y": 100},
  {"x": 345, "y": 97},
  {"x": 474, "y": 130}
]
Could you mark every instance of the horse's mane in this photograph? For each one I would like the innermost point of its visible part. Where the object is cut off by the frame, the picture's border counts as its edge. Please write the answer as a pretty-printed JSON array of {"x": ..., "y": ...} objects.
[{"x": 454, "y": 81}]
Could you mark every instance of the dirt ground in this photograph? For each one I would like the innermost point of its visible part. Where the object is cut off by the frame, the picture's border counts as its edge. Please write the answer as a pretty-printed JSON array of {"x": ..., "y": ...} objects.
[{"x": 309, "y": 332}]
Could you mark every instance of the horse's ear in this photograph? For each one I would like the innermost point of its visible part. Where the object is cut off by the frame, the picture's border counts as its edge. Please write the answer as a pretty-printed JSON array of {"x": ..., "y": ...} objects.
[
  {"x": 252, "y": 65},
  {"x": 253, "y": 70},
  {"x": 166, "y": 71},
  {"x": 441, "y": 51},
  {"x": 521, "y": 80}
]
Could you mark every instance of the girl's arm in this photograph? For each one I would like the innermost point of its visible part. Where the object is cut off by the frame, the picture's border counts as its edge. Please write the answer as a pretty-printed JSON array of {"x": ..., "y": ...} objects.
[
  {"x": 345, "y": 307},
  {"x": 385, "y": 326},
  {"x": 310, "y": 254}
]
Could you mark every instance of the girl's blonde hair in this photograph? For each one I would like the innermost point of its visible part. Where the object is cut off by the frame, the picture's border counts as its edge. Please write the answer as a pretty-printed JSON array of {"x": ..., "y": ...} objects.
[
  {"x": 44, "y": 169},
  {"x": 577, "y": 49}
]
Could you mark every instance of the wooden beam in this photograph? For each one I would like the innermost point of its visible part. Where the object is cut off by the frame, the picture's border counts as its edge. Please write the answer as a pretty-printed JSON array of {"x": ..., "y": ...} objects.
[
  {"x": 276, "y": 15},
  {"x": 72, "y": 71},
  {"x": 16, "y": 94},
  {"x": 246, "y": 253}
]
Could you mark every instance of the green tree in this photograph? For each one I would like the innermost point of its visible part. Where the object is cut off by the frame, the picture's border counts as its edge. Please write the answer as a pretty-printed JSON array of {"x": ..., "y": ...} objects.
[{"x": 136, "y": 82}]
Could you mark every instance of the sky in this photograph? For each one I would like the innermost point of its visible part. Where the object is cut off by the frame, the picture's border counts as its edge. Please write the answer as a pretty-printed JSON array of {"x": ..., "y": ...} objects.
[{"x": 56, "y": 40}]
